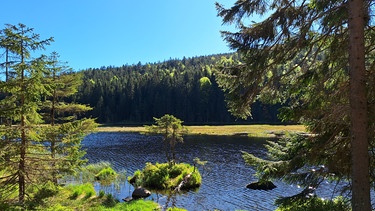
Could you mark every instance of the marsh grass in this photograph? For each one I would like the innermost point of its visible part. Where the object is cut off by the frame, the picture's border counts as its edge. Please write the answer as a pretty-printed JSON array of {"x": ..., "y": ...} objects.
[
  {"x": 228, "y": 130},
  {"x": 101, "y": 172}
]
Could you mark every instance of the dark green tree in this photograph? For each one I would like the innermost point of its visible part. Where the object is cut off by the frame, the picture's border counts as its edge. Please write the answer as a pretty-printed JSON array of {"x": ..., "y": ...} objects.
[
  {"x": 33, "y": 153},
  {"x": 66, "y": 130},
  {"x": 23, "y": 94},
  {"x": 295, "y": 56},
  {"x": 172, "y": 130}
]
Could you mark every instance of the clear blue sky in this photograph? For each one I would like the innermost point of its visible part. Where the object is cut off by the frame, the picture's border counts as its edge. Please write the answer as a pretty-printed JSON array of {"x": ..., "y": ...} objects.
[{"x": 95, "y": 33}]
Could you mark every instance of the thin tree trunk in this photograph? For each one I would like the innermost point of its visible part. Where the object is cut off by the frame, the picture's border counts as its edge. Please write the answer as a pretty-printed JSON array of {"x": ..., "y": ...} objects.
[
  {"x": 53, "y": 140},
  {"x": 358, "y": 108},
  {"x": 22, "y": 165}
]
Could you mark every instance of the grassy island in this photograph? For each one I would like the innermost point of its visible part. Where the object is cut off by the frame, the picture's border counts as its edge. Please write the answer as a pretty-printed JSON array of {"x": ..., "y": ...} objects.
[{"x": 163, "y": 176}]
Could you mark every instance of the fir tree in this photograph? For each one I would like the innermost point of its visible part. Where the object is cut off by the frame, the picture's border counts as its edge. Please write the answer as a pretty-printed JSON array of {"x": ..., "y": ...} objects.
[
  {"x": 295, "y": 56},
  {"x": 33, "y": 153}
]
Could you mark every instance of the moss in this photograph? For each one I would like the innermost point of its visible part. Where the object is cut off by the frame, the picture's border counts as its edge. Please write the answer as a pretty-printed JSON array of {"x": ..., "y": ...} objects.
[{"x": 163, "y": 176}]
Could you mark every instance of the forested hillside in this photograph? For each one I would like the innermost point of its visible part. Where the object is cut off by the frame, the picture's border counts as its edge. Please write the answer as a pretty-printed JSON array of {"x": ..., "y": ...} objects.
[{"x": 185, "y": 88}]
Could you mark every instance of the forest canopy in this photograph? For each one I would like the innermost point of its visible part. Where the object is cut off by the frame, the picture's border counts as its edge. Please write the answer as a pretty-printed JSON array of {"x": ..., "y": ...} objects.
[{"x": 185, "y": 88}]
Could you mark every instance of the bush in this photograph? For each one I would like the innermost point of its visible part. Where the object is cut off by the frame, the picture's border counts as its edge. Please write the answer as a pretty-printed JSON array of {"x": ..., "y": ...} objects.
[
  {"x": 163, "y": 176},
  {"x": 106, "y": 174},
  {"x": 314, "y": 204}
]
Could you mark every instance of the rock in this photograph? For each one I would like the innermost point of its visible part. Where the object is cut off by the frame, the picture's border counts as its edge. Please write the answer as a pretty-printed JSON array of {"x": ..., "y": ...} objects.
[
  {"x": 128, "y": 199},
  {"x": 140, "y": 193},
  {"x": 267, "y": 185}
]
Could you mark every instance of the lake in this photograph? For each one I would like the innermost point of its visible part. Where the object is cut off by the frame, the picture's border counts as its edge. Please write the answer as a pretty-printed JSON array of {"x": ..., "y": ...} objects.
[{"x": 224, "y": 177}]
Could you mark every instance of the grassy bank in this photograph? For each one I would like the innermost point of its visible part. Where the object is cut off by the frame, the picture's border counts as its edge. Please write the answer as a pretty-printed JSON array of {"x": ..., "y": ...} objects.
[{"x": 250, "y": 130}]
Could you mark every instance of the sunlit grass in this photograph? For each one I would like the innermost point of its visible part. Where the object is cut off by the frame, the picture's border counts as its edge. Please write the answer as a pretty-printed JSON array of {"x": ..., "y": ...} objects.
[
  {"x": 83, "y": 197},
  {"x": 250, "y": 130},
  {"x": 163, "y": 176}
]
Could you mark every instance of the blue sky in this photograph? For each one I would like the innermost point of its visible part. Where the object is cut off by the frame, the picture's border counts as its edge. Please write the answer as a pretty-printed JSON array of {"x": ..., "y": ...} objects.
[{"x": 95, "y": 33}]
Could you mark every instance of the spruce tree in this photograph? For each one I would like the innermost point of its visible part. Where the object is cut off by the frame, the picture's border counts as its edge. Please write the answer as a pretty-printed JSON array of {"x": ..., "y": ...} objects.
[
  {"x": 172, "y": 130},
  {"x": 33, "y": 153},
  {"x": 20, "y": 105},
  {"x": 298, "y": 55},
  {"x": 66, "y": 130}
]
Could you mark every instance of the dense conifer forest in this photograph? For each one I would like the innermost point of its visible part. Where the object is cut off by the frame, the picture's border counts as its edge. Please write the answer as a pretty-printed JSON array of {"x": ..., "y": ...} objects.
[{"x": 185, "y": 88}]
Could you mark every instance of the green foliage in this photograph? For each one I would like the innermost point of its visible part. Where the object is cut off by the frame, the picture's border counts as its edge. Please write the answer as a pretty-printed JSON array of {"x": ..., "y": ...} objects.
[
  {"x": 41, "y": 195},
  {"x": 295, "y": 57},
  {"x": 143, "y": 91},
  {"x": 101, "y": 194},
  {"x": 110, "y": 201},
  {"x": 175, "y": 209},
  {"x": 85, "y": 190},
  {"x": 101, "y": 172},
  {"x": 106, "y": 173},
  {"x": 137, "y": 205},
  {"x": 172, "y": 130},
  {"x": 198, "y": 161},
  {"x": 163, "y": 176},
  {"x": 82, "y": 197},
  {"x": 205, "y": 83},
  {"x": 315, "y": 204},
  {"x": 36, "y": 153}
]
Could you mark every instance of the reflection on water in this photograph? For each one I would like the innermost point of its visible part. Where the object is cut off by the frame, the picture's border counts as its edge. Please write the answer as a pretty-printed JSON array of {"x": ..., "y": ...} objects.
[{"x": 224, "y": 177}]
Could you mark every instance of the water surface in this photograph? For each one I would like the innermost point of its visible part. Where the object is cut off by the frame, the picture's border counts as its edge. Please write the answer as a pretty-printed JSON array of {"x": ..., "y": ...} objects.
[{"x": 224, "y": 177}]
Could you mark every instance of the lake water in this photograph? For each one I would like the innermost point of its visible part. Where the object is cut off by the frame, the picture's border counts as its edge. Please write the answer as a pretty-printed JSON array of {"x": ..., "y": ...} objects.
[{"x": 224, "y": 177}]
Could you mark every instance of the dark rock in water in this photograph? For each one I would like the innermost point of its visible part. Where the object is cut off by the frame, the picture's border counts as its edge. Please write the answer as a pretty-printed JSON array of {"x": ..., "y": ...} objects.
[
  {"x": 267, "y": 185},
  {"x": 140, "y": 193}
]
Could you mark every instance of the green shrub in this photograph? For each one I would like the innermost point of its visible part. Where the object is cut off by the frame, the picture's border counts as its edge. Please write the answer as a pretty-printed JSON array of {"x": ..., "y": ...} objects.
[
  {"x": 316, "y": 204},
  {"x": 106, "y": 174}
]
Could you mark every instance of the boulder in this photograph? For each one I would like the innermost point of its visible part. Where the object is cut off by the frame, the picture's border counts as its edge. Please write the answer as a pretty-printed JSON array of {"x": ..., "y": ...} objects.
[
  {"x": 140, "y": 193},
  {"x": 266, "y": 185},
  {"x": 128, "y": 199}
]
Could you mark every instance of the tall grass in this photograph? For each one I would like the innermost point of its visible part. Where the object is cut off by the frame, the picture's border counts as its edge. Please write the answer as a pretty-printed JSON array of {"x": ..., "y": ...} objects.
[{"x": 101, "y": 172}]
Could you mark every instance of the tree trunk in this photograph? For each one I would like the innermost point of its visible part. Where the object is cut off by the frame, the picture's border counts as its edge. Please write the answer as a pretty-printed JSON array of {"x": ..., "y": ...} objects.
[
  {"x": 22, "y": 165},
  {"x": 358, "y": 108}
]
